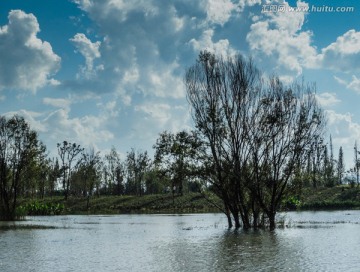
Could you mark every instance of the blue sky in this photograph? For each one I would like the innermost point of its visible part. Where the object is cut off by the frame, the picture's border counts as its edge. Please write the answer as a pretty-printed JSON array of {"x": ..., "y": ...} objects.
[{"x": 108, "y": 73}]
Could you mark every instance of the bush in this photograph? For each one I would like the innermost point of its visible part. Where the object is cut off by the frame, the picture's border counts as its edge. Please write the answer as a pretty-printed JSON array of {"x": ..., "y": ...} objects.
[
  {"x": 291, "y": 203},
  {"x": 37, "y": 208}
]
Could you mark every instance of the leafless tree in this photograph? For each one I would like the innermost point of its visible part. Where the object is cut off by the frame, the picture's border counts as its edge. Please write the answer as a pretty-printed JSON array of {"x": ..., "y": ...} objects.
[
  {"x": 255, "y": 132},
  {"x": 289, "y": 120},
  {"x": 68, "y": 152}
]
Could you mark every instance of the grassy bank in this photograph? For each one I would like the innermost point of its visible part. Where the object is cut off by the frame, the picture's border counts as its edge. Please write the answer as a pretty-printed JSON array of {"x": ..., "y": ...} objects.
[
  {"x": 162, "y": 203},
  {"x": 341, "y": 197}
]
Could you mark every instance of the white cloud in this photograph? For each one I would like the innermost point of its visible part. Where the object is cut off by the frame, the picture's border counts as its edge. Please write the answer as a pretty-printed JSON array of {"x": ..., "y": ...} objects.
[
  {"x": 354, "y": 84},
  {"x": 157, "y": 118},
  {"x": 327, "y": 99},
  {"x": 343, "y": 54},
  {"x": 90, "y": 51},
  {"x": 27, "y": 62},
  {"x": 345, "y": 131},
  {"x": 88, "y": 130},
  {"x": 57, "y": 102},
  {"x": 219, "y": 11},
  {"x": 139, "y": 48},
  {"x": 277, "y": 38},
  {"x": 159, "y": 113},
  {"x": 206, "y": 42}
]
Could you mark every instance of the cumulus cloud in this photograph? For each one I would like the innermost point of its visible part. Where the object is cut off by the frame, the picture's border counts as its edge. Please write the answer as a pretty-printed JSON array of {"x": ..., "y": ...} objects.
[
  {"x": 205, "y": 42},
  {"x": 343, "y": 127},
  {"x": 27, "y": 63},
  {"x": 343, "y": 54},
  {"x": 90, "y": 51},
  {"x": 87, "y": 130},
  {"x": 219, "y": 11},
  {"x": 327, "y": 99},
  {"x": 142, "y": 48},
  {"x": 277, "y": 37},
  {"x": 158, "y": 116}
]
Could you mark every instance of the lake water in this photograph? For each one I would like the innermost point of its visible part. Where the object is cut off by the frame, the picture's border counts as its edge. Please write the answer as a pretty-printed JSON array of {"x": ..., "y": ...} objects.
[{"x": 311, "y": 241}]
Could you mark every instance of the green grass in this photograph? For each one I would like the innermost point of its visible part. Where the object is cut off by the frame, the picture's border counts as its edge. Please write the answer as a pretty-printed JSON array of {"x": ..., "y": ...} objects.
[
  {"x": 339, "y": 197},
  {"x": 160, "y": 203}
]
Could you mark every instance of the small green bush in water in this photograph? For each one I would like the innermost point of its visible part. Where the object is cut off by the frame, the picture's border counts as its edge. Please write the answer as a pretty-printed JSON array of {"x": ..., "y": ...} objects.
[{"x": 291, "y": 203}]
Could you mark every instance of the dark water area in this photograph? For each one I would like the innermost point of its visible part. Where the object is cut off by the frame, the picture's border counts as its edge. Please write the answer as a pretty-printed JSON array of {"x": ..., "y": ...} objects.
[{"x": 309, "y": 241}]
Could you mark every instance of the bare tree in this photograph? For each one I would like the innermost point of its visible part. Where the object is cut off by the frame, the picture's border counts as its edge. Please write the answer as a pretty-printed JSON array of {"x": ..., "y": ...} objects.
[
  {"x": 356, "y": 163},
  {"x": 340, "y": 166},
  {"x": 289, "y": 120},
  {"x": 68, "y": 152},
  {"x": 221, "y": 93},
  {"x": 255, "y": 132}
]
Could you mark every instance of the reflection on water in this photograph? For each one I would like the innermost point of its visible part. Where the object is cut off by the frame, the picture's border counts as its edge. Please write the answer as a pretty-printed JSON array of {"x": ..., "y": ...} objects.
[{"x": 313, "y": 241}]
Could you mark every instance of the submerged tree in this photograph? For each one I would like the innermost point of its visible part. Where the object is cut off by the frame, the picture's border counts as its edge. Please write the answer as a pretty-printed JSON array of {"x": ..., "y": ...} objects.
[{"x": 255, "y": 132}]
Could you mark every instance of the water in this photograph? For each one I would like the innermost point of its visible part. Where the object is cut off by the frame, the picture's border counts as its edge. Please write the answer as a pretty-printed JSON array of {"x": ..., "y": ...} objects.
[{"x": 310, "y": 241}]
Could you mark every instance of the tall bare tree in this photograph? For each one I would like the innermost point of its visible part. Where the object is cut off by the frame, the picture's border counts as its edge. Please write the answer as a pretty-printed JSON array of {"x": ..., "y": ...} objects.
[
  {"x": 255, "y": 132},
  {"x": 356, "y": 163},
  {"x": 68, "y": 152},
  {"x": 289, "y": 121},
  {"x": 340, "y": 166}
]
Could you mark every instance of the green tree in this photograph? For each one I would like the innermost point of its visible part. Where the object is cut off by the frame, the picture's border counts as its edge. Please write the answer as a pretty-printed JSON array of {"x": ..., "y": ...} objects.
[
  {"x": 87, "y": 175},
  {"x": 19, "y": 145},
  {"x": 137, "y": 165},
  {"x": 175, "y": 157},
  {"x": 114, "y": 173}
]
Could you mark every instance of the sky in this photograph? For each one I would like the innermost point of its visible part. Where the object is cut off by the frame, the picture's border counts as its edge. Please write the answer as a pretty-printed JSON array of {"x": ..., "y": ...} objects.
[{"x": 106, "y": 73}]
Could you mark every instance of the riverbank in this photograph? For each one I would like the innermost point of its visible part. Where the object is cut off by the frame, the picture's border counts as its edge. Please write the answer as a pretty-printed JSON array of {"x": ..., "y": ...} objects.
[
  {"x": 340, "y": 197},
  {"x": 161, "y": 203}
]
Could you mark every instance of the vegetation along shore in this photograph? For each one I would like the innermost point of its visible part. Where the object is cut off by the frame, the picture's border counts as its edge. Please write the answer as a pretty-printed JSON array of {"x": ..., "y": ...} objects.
[{"x": 339, "y": 197}]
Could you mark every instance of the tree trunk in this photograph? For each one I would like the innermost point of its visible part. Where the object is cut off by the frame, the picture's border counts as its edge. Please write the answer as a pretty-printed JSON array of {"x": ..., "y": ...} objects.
[
  {"x": 237, "y": 220},
  {"x": 230, "y": 224},
  {"x": 272, "y": 221}
]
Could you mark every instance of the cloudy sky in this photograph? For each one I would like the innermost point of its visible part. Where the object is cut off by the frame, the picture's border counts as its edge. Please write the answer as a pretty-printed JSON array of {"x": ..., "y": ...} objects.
[{"x": 108, "y": 73}]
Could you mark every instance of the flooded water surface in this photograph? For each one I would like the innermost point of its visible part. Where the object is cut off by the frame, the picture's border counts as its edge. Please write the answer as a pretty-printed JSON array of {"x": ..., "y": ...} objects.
[{"x": 309, "y": 241}]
